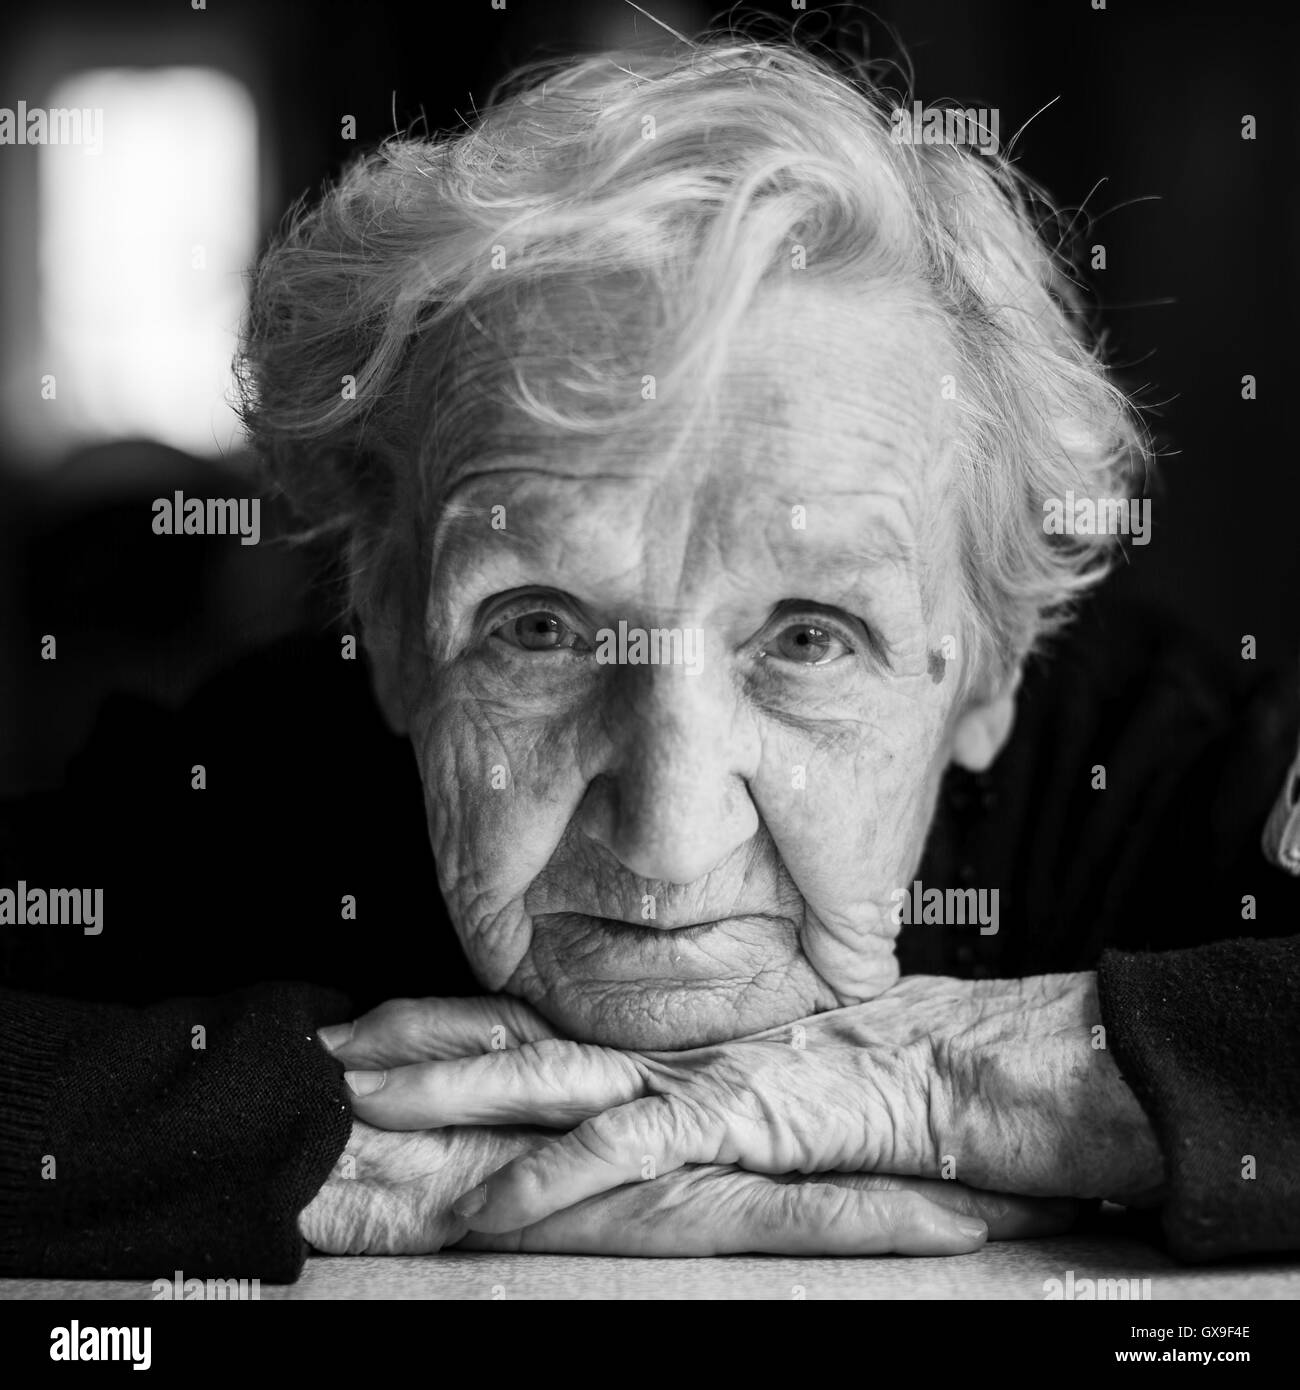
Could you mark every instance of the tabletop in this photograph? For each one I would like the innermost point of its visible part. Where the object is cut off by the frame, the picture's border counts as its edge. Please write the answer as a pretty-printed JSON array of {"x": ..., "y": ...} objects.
[{"x": 1003, "y": 1270}]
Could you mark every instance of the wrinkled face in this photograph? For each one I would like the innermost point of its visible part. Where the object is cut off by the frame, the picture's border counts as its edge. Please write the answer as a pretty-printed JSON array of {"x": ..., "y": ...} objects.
[{"x": 661, "y": 845}]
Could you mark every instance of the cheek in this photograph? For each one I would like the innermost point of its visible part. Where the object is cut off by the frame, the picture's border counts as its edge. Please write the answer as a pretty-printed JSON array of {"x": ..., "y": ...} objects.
[
  {"x": 848, "y": 806},
  {"x": 499, "y": 788}
]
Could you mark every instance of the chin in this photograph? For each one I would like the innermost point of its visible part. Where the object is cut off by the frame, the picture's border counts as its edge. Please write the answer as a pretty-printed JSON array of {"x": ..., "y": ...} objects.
[
  {"x": 667, "y": 1017},
  {"x": 661, "y": 989}
]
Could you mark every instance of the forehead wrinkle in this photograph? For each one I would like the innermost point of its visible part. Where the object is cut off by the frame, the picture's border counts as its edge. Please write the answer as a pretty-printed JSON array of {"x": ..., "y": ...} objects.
[
  {"x": 879, "y": 543},
  {"x": 849, "y": 557},
  {"x": 889, "y": 423},
  {"x": 896, "y": 442},
  {"x": 787, "y": 430},
  {"x": 543, "y": 553},
  {"x": 840, "y": 389},
  {"x": 886, "y": 536},
  {"x": 452, "y": 511},
  {"x": 851, "y": 418},
  {"x": 860, "y": 450},
  {"x": 459, "y": 531}
]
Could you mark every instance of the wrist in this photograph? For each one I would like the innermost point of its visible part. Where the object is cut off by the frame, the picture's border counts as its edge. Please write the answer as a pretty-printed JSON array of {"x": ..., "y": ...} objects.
[
  {"x": 1035, "y": 1100},
  {"x": 1131, "y": 1164}
]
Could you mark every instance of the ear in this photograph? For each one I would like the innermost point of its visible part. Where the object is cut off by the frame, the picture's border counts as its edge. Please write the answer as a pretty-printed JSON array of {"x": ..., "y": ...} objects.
[
  {"x": 383, "y": 648},
  {"x": 983, "y": 727}
]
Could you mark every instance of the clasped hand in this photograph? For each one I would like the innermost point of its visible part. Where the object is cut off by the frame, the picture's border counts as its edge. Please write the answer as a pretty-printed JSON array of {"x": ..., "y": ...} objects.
[{"x": 925, "y": 1121}]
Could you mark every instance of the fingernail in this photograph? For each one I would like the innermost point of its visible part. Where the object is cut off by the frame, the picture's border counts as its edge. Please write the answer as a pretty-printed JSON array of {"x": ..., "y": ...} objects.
[
  {"x": 362, "y": 1083},
  {"x": 972, "y": 1229},
  {"x": 472, "y": 1202},
  {"x": 336, "y": 1035}
]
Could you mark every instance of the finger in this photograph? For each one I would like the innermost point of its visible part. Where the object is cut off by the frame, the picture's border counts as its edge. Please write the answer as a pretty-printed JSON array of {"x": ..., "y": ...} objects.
[
  {"x": 631, "y": 1143},
  {"x": 401, "y": 1031},
  {"x": 1008, "y": 1216},
  {"x": 720, "y": 1211},
  {"x": 550, "y": 1083}
]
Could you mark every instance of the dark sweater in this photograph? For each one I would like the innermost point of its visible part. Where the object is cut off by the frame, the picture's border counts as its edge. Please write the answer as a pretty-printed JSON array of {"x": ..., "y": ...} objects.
[{"x": 168, "y": 1155}]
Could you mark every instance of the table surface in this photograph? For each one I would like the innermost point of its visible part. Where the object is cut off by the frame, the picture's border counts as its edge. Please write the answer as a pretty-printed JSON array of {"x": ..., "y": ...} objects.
[{"x": 1007, "y": 1269}]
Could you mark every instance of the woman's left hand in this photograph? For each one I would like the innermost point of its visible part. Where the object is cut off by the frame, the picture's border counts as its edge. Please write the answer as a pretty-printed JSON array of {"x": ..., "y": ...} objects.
[{"x": 1004, "y": 1085}]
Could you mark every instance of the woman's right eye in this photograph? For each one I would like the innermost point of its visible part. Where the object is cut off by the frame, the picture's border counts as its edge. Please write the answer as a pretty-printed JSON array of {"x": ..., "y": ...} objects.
[{"x": 539, "y": 631}]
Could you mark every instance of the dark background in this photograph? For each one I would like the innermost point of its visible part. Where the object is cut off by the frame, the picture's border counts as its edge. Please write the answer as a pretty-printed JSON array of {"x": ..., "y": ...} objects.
[{"x": 1199, "y": 226}]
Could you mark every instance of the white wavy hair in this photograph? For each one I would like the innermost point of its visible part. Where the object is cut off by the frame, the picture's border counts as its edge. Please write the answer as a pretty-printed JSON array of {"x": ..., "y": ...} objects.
[{"x": 424, "y": 276}]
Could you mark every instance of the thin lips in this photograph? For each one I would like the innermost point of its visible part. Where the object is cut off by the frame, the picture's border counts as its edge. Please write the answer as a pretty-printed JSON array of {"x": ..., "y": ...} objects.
[{"x": 660, "y": 926}]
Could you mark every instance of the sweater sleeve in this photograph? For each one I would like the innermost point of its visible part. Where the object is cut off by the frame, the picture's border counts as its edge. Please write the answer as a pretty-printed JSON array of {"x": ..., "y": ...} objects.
[
  {"x": 164, "y": 1104},
  {"x": 1209, "y": 1040},
  {"x": 186, "y": 1135}
]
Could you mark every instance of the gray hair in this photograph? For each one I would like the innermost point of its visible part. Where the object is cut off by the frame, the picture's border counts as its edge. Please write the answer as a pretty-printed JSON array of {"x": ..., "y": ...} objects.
[{"x": 683, "y": 178}]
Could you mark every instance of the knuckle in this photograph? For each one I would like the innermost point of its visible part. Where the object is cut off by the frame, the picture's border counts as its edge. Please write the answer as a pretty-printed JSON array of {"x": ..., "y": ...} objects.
[
  {"x": 420, "y": 1082},
  {"x": 823, "y": 1205},
  {"x": 777, "y": 1208},
  {"x": 615, "y": 1137},
  {"x": 524, "y": 1182},
  {"x": 683, "y": 1122},
  {"x": 400, "y": 1020},
  {"x": 549, "y": 1057}
]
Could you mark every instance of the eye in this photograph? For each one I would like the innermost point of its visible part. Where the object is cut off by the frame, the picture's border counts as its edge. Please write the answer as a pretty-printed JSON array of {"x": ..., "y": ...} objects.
[
  {"x": 807, "y": 634},
  {"x": 538, "y": 630},
  {"x": 806, "y": 643}
]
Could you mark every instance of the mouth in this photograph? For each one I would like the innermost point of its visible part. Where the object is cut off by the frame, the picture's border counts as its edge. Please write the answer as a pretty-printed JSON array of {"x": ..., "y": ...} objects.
[{"x": 610, "y": 949}]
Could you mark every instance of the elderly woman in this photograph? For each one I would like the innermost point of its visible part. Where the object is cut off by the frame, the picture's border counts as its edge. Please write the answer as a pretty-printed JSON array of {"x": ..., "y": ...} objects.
[
  {"x": 701, "y": 344},
  {"x": 692, "y": 429}
]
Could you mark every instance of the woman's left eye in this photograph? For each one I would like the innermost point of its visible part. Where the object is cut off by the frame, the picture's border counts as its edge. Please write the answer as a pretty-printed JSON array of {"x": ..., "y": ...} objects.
[
  {"x": 807, "y": 644},
  {"x": 538, "y": 631}
]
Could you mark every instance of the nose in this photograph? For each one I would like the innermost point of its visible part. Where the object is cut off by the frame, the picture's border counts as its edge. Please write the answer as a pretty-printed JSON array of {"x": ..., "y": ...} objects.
[{"x": 672, "y": 802}]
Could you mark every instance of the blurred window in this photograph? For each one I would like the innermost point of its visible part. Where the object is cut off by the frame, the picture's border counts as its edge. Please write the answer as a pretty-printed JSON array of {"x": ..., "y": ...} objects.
[{"x": 144, "y": 240}]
